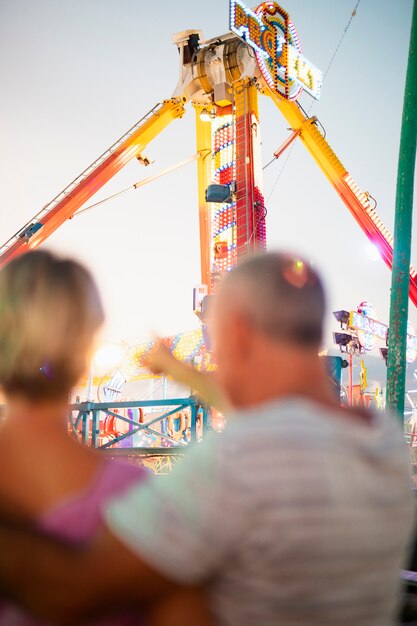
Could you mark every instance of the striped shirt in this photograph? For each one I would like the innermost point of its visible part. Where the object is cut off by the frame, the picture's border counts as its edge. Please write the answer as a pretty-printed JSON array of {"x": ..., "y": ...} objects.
[{"x": 295, "y": 515}]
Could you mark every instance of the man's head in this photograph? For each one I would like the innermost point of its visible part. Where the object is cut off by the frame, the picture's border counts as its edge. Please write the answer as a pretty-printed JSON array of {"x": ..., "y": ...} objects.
[{"x": 267, "y": 316}]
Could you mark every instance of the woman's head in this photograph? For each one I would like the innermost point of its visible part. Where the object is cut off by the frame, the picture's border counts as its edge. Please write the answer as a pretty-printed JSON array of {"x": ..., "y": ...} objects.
[{"x": 50, "y": 311}]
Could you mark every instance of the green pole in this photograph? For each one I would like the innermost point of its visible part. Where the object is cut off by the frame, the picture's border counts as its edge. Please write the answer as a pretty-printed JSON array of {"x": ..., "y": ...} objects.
[{"x": 396, "y": 371}]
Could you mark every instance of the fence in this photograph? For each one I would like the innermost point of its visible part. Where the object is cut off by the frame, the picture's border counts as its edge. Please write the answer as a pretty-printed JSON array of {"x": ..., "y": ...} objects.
[{"x": 94, "y": 424}]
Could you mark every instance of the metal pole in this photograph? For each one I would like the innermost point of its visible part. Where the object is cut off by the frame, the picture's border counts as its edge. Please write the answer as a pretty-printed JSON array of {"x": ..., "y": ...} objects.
[
  {"x": 193, "y": 429},
  {"x": 90, "y": 383},
  {"x": 396, "y": 370},
  {"x": 95, "y": 429},
  {"x": 350, "y": 380}
]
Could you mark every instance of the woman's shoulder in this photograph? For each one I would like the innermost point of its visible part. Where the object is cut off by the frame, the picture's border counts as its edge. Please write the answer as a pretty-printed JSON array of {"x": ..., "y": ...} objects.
[
  {"x": 78, "y": 516},
  {"x": 121, "y": 472}
]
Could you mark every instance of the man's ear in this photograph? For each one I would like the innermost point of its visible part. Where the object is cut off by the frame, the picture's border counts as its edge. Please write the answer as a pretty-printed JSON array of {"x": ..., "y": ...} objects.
[{"x": 242, "y": 336}]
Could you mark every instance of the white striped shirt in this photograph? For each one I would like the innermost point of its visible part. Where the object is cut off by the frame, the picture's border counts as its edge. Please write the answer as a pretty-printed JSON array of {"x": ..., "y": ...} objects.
[{"x": 295, "y": 515}]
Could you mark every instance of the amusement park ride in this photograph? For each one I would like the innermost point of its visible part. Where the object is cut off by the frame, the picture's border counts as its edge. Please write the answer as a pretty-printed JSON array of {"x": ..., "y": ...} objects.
[{"x": 221, "y": 78}]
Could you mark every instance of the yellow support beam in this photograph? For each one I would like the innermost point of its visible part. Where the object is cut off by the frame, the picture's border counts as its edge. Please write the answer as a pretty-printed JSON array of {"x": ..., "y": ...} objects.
[
  {"x": 203, "y": 137},
  {"x": 310, "y": 135}
]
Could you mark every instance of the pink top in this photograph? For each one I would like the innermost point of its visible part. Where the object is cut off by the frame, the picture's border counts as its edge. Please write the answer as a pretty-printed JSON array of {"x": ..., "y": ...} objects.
[{"x": 76, "y": 519}]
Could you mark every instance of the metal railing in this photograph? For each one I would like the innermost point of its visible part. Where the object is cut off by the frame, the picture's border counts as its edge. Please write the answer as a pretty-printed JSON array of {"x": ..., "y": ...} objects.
[{"x": 88, "y": 423}]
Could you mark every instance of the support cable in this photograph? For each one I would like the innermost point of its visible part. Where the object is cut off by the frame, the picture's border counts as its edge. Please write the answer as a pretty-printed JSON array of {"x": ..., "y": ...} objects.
[
  {"x": 141, "y": 183},
  {"x": 312, "y": 104}
]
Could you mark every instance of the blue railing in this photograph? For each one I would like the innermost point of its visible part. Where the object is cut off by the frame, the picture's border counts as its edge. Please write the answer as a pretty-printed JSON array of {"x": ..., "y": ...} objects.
[{"x": 89, "y": 420}]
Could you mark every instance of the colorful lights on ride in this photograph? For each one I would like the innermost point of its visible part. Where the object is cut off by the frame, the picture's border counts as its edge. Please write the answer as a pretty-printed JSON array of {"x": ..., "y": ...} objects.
[
  {"x": 367, "y": 339},
  {"x": 369, "y": 330},
  {"x": 260, "y": 211},
  {"x": 366, "y": 325},
  {"x": 273, "y": 37},
  {"x": 222, "y": 215},
  {"x": 411, "y": 352},
  {"x": 187, "y": 346}
]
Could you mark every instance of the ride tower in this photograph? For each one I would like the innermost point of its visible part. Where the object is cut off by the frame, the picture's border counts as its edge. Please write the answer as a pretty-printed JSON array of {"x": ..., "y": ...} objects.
[{"x": 222, "y": 77}]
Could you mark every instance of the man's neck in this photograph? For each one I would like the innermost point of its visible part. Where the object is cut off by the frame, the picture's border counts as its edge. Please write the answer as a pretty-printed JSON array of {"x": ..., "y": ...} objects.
[{"x": 303, "y": 375}]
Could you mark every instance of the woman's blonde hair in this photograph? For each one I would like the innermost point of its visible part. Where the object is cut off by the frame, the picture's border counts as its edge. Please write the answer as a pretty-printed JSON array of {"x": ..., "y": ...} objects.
[{"x": 50, "y": 310}]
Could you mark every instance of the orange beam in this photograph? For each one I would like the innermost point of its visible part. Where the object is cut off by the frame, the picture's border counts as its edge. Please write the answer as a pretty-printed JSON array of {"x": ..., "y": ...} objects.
[
  {"x": 97, "y": 175},
  {"x": 286, "y": 143},
  {"x": 356, "y": 200}
]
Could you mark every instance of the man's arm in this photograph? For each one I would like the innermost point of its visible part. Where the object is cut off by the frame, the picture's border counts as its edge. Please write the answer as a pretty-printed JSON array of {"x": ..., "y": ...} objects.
[
  {"x": 66, "y": 584},
  {"x": 160, "y": 361}
]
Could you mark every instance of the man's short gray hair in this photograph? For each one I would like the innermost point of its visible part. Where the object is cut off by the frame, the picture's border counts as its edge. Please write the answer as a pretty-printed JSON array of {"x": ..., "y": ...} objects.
[{"x": 281, "y": 294}]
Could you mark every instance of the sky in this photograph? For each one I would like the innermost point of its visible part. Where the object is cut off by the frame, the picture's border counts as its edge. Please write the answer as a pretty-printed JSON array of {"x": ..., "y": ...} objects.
[{"x": 76, "y": 75}]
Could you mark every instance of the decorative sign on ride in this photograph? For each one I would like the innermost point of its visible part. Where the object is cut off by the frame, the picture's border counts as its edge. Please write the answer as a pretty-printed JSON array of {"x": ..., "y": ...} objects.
[
  {"x": 368, "y": 328},
  {"x": 270, "y": 32}
]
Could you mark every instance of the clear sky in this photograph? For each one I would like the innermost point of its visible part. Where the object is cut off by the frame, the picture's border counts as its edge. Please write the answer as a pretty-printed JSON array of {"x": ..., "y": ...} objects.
[{"x": 76, "y": 75}]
